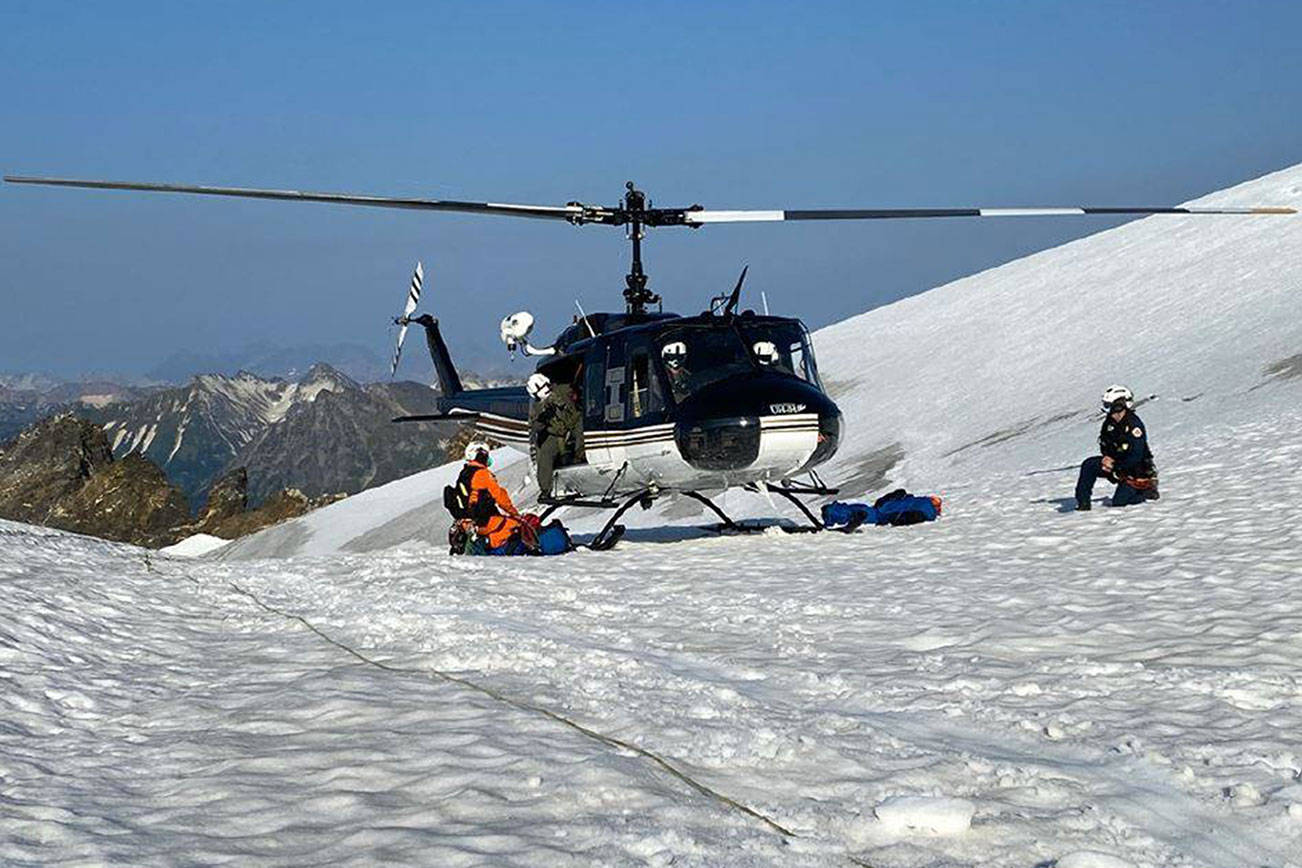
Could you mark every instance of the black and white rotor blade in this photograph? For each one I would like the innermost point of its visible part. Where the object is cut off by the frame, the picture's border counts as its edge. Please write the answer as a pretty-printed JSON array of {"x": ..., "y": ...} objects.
[
  {"x": 704, "y": 216},
  {"x": 413, "y": 296},
  {"x": 569, "y": 213}
]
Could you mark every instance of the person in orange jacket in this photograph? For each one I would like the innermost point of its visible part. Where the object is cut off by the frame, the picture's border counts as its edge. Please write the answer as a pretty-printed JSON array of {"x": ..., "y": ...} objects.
[{"x": 495, "y": 517}]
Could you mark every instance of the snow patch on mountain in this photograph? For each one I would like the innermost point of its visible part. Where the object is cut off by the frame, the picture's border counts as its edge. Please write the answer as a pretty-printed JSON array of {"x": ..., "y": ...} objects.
[{"x": 1182, "y": 309}]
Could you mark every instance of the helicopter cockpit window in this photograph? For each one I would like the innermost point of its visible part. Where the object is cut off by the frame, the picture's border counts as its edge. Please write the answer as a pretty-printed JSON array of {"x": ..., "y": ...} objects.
[
  {"x": 694, "y": 357},
  {"x": 782, "y": 347}
]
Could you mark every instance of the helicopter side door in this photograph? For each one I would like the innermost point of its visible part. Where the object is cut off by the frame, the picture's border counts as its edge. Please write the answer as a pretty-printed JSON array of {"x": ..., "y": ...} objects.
[
  {"x": 602, "y": 401},
  {"x": 644, "y": 400},
  {"x": 646, "y": 439}
]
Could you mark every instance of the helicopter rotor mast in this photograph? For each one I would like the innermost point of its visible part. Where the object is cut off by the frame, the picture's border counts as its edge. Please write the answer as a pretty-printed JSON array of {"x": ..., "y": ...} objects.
[{"x": 633, "y": 212}]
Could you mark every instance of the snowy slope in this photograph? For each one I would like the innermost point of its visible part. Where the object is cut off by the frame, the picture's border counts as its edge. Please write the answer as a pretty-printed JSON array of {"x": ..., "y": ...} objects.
[
  {"x": 1002, "y": 370},
  {"x": 1186, "y": 309},
  {"x": 408, "y": 511},
  {"x": 1013, "y": 685}
]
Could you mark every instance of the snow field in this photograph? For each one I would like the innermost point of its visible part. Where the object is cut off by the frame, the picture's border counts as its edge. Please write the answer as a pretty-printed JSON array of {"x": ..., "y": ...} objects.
[
  {"x": 1087, "y": 681},
  {"x": 1111, "y": 685},
  {"x": 151, "y": 720},
  {"x": 1014, "y": 685}
]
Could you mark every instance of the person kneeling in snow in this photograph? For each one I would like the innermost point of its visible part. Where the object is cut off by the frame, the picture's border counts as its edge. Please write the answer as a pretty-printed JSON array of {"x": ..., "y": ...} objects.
[
  {"x": 895, "y": 509},
  {"x": 479, "y": 503},
  {"x": 486, "y": 522},
  {"x": 1125, "y": 459}
]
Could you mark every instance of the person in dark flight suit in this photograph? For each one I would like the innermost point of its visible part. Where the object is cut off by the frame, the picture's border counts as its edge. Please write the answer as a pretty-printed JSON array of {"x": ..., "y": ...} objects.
[{"x": 1125, "y": 457}]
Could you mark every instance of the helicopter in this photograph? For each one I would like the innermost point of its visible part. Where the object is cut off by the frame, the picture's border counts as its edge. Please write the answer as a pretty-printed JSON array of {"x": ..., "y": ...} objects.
[{"x": 687, "y": 405}]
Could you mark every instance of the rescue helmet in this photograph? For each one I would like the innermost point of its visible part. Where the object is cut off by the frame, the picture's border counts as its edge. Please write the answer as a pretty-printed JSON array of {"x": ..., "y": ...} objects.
[
  {"x": 1117, "y": 397},
  {"x": 477, "y": 450},
  {"x": 766, "y": 352},
  {"x": 674, "y": 353},
  {"x": 936, "y": 502},
  {"x": 538, "y": 386}
]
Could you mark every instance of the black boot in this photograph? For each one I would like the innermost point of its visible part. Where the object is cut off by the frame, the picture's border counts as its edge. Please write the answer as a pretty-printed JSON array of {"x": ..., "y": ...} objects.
[{"x": 1082, "y": 506}]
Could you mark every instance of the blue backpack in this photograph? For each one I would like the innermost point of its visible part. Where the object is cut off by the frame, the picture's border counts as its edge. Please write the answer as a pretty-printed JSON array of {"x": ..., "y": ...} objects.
[{"x": 554, "y": 539}]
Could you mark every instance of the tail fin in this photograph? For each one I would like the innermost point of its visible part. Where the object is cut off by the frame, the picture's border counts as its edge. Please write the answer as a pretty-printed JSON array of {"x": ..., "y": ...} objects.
[{"x": 449, "y": 380}]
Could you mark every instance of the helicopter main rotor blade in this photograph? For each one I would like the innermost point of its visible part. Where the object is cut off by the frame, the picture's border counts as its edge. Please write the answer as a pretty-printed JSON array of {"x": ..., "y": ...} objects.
[
  {"x": 570, "y": 213},
  {"x": 702, "y": 217}
]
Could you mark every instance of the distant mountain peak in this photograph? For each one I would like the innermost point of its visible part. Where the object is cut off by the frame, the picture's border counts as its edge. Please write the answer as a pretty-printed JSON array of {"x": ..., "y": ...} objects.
[{"x": 323, "y": 378}]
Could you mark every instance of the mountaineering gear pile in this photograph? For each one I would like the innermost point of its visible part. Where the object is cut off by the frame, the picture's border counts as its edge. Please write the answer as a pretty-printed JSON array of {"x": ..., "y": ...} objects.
[
  {"x": 895, "y": 509},
  {"x": 1126, "y": 443}
]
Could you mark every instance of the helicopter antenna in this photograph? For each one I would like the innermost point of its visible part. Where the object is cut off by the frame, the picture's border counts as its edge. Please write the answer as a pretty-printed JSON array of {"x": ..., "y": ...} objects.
[
  {"x": 765, "y": 299},
  {"x": 736, "y": 293},
  {"x": 584, "y": 316}
]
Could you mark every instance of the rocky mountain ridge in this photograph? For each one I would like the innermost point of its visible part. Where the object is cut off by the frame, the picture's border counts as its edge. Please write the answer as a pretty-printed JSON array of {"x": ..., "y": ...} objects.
[
  {"x": 320, "y": 434},
  {"x": 61, "y": 473}
]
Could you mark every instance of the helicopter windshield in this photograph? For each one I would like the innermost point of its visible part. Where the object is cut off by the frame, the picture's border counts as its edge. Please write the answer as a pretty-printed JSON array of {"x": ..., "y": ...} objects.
[
  {"x": 696, "y": 356},
  {"x": 782, "y": 347}
]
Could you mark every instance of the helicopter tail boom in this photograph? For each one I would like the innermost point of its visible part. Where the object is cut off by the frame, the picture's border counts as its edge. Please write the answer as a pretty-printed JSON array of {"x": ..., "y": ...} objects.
[{"x": 449, "y": 379}]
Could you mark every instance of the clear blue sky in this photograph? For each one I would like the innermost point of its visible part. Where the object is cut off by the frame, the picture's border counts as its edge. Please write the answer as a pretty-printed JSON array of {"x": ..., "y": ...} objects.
[{"x": 733, "y": 105}]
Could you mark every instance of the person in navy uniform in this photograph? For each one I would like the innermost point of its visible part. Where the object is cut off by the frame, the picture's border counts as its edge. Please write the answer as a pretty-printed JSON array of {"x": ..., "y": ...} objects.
[{"x": 1125, "y": 459}]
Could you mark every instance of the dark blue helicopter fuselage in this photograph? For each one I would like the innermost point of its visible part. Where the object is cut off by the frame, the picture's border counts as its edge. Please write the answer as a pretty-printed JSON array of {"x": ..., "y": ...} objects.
[{"x": 678, "y": 402}]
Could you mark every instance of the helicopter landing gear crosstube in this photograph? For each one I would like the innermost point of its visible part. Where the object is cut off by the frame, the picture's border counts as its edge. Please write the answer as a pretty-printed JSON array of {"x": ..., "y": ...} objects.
[
  {"x": 611, "y": 532},
  {"x": 790, "y": 492},
  {"x": 787, "y": 491}
]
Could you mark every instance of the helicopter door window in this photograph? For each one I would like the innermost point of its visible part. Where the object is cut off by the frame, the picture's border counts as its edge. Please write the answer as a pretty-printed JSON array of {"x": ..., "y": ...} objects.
[
  {"x": 644, "y": 391},
  {"x": 594, "y": 390}
]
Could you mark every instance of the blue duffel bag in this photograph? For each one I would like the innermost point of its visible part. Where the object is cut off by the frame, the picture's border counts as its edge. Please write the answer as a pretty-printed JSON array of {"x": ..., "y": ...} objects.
[{"x": 554, "y": 539}]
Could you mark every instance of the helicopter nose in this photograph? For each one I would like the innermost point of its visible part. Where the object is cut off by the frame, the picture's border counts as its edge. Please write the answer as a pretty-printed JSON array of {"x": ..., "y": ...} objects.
[
  {"x": 770, "y": 425},
  {"x": 719, "y": 443}
]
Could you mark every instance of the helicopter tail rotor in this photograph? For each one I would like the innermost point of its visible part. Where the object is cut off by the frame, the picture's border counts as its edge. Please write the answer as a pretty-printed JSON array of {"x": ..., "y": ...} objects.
[{"x": 413, "y": 297}]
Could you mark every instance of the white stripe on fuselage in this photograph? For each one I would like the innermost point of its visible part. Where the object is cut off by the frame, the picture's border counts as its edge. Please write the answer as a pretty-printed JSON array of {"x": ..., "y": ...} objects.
[{"x": 623, "y": 462}]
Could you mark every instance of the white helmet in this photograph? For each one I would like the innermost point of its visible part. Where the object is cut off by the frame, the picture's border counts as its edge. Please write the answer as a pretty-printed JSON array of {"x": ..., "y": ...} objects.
[
  {"x": 1114, "y": 394},
  {"x": 766, "y": 352},
  {"x": 476, "y": 448},
  {"x": 539, "y": 386},
  {"x": 674, "y": 353}
]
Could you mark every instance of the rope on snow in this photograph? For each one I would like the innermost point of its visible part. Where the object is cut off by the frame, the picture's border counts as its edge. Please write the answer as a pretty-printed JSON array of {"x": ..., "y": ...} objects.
[{"x": 601, "y": 738}]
